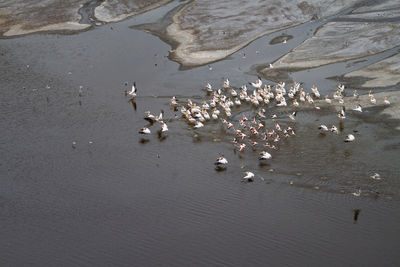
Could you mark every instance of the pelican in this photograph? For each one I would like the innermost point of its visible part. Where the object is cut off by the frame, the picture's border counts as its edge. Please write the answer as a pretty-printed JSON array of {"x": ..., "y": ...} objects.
[
  {"x": 221, "y": 162},
  {"x": 249, "y": 177},
  {"x": 293, "y": 115},
  {"x": 349, "y": 138},
  {"x": 358, "y": 108},
  {"x": 149, "y": 117},
  {"x": 198, "y": 125},
  {"x": 357, "y": 193},
  {"x": 323, "y": 128},
  {"x": 376, "y": 176},
  {"x": 386, "y": 101},
  {"x": 334, "y": 129},
  {"x": 257, "y": 84},
  {"x": 133, "y": 90},
  {"x": 264, "y": 155},
  {"x": 174, "y": 101},
  {"x": 226, "y": 83},
  {"x": 208, "y": 87},
  {"x": 144, "y": 130},
  {"x": 341, "y": 115},
  {"x": 164, "y": 127},
  {"x": 327, "y": 100}
]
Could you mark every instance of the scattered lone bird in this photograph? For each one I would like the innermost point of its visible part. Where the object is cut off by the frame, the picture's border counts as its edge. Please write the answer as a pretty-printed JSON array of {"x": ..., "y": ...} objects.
[
  {"x": 357, "y": 193},
  {"x": 144, "y": 130},
  {"x": 249, "y": 177},
  {"x": 221, "y": 162},
  {"x": 349, "y": 138},
  {"x": 386, "y": 101},
  {"x": 133, "y": 91},
  {"x": 376, "y": 176},
  {"x": 264, "y": 155}
]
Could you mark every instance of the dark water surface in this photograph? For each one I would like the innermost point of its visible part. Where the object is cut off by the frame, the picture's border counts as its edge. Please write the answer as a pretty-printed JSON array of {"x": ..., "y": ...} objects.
[{"x": 111, "y": 200}]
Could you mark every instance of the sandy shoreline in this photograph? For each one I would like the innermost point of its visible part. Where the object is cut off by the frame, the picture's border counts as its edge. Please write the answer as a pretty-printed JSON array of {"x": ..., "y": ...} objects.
[
  {"x": 217, "y": 36},
  {"x": 64, "y": 17},
  {"x": 104, "y": 12}
]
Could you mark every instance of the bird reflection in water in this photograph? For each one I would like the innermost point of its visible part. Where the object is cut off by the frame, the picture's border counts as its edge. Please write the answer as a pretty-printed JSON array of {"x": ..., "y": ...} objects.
[
  {"x": 356, "y": 213},
  {"x": 133, "y": 102}
]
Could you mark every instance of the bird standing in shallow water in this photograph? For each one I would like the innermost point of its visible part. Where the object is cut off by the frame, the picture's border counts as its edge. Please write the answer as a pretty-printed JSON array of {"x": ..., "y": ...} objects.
[
  {"x": 357, "y": 193},
  {"x": 265, "y": 155},
  {"x": 249, "y": 177},
  {"x": 221, "y": 162},
  {"x": 386, "y": 101},
  {"x": 144, "y": 130},
  {"x": 358, "y": 108},
  {"x": 164, "y": 127},
  {"x": 323, "y": 128},
  {"x": 133, "y": 91},
  {"x": 349, "y": 138},
  {"x": 376, "y": 176}
]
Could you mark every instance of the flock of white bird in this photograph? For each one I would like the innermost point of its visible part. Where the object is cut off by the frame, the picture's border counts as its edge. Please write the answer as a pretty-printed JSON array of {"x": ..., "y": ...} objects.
[{"x": 252, "y": 132}]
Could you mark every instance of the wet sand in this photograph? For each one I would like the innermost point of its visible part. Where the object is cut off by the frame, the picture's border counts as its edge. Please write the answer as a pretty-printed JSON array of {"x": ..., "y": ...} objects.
[
  {"x": 212, "y": 39},
  {"x": 79, "y": 186}
]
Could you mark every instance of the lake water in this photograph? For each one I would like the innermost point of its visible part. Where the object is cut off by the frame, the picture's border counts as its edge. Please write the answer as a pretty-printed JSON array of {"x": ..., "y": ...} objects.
[{"x": 79, "y": 187}]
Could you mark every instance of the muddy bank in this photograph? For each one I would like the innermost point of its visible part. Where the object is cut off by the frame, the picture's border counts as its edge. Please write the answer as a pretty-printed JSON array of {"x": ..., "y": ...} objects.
[
  {"x": 380, "y": 74},
  {"x": 111, "y": 11},
  {"x": 17, "y": 17},
  {"x": 336, "y": 41},
  {"x": 20, "y": 18},
  {"x": 207, "y": 31}
]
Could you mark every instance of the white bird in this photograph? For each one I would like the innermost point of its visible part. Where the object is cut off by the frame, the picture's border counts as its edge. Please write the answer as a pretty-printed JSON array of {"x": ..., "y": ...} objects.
[
  {"x": 349, "y": 138},
  {"x": 133, "y": 90},
  {"x": 357, "y": 193},
  {"x": 149, "y": 117},
  {"x": 323, "y": 128},
  {"x": 342, "y": 115},
  {"x": 264, "y": 155},
  {"x": 174, "y": 101},
  {"x": 226, "y": 83},
  {"x": 198, "y": 125},
  {"x": 144, "y": 130},
  {"x": 257, "y": 84},
  {"x": 334, "y": 129},
  {"x": 164, "y": 127},
  {"x": 386, "y": 101},
  {"x": 376, "y": 176},
  {"x": 221, "y": 162},
  {"x": 358, "y": 108},
  {"x": 327, "y": 100},
  {"x": 249, "y": 177},
  {"x": 270, "y": 66},
  {"x": 293, "y": 115},
  {"x": 208, "y": 87}
]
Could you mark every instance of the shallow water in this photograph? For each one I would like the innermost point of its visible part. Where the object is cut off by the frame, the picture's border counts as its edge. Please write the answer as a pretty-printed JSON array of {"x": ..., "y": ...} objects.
[{"x": 111, "y": 199}]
